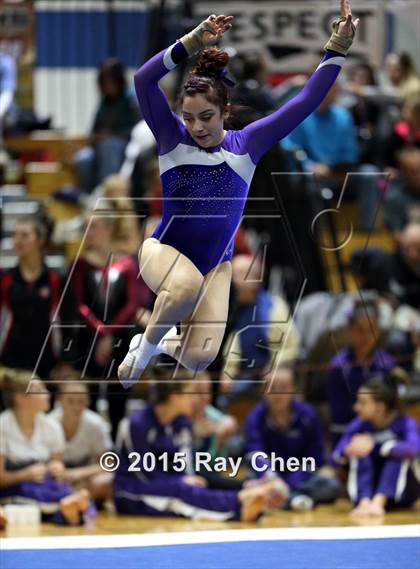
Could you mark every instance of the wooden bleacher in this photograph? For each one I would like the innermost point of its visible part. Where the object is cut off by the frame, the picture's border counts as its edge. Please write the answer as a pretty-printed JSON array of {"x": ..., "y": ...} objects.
[
  {"x": 48, "y": 157},
  {"x": 348, "y": 242},
  {"x": 55, "y": 145},
  {"x": 45, "y": 178}
]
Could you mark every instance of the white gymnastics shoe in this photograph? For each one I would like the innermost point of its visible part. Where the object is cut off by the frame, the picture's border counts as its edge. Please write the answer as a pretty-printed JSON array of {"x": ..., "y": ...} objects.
[
  {"x": 136, "y": 360},
  {"x": 138, "y": 356}
]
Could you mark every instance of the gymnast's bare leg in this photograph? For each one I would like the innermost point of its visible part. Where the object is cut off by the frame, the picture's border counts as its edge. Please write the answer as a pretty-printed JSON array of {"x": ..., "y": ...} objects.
[{"x": 184, "y": 295}]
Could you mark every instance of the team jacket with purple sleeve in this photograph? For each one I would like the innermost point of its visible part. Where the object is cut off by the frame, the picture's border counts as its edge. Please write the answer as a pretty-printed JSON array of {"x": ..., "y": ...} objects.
[
  {"x": 205, "y": 189},
  {"x": 345, "y": 377},
  {"x": 393, "y": 466},
  {"x": 143, "y": 433},
  {"x": 157, "y": 487},
  {"x": 400, "y": 440},
  {"x": 302, "y": 438}
]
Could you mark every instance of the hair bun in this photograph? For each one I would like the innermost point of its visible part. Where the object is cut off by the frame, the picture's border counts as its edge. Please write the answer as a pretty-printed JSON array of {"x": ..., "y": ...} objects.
[
  {"x": 211, "y": 62},
  {"x": 399, "y": 377}
]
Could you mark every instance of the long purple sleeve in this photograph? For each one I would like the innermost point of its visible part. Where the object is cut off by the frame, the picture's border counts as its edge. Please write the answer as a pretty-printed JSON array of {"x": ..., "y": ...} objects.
[
  {"x": 255, "y": 138},
  {"x": 401, "y": 440},
  {"x": 165, "y": 125},
  {"x": 338, "y": 456},
  {"x": 261, "y": 135},
  {"x": 407, "y": 446}
]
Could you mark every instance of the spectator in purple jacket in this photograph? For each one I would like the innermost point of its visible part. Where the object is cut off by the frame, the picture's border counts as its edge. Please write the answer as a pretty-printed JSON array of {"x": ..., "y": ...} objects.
[
  {"x": 353, "y": 366},
  {"x": 162, "y": 432},
  {"x": 382, "y": 447},
  {"x": 282, "y": 429}
]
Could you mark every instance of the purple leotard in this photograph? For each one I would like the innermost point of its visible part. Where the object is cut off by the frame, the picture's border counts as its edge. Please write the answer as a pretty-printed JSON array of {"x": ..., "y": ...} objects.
[{"x": 205, "y": 189}]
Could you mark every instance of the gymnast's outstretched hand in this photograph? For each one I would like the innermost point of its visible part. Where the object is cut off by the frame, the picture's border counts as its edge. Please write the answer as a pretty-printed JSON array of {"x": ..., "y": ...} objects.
[
  {"x": 348, "y": 26},
  {"x": 219, "y": 25},
  {"x": 344, "y": 30}
]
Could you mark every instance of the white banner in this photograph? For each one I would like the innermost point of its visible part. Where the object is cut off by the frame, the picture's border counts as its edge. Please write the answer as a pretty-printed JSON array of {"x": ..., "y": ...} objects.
[{"x": 292, "y": 34}]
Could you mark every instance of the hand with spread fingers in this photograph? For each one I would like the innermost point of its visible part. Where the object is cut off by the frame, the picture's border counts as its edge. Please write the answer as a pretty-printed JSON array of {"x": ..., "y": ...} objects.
[
  {"x": 347, "y": 26},
  {"x": 219, "y": 25},
  {"x": 206, "y": 34},
  {"x": 344, "y": 30}
]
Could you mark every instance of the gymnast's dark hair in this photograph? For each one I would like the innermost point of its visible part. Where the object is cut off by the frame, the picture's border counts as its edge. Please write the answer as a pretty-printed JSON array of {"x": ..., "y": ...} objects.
[
  {"x": 208, "y": 78},
  {"x": 386, "y": 388},
  {"x": 114, "y": 70},
  {"x": 164, "y": 384},
  {"x": 364, "y": 309}
]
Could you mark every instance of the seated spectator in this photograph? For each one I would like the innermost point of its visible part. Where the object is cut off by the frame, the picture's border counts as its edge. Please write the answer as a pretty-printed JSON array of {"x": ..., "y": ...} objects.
[
  {"x": 251, "y": 71},
  {"x": 212, "y": 430},
  {"x": 108, "y": 295},
  {"x": 405, "y": 132},
  {"x": 31, "y": 293},
  {"x": 329, "y": 140},
  {"x": 382, "y": 447},
  {"x": 116, "y": 195},
  {"x": 395, "y": 274},
  {"x": 31, "y": 447},
  {"x": 142, "y": 148},
  {"x": 116, "y": 116},
  {"x": 171, "y": 487},
  {"x": 288, "y": 428},
  {"x": 211, "y": 426},
  {"x": 402, "y": 201},
  {"x": 113, "y": 193},
  {"x": 261, "y": 326},
  {"x": 361, "y": 86},
  {"x": 86, "y": 439},
  {"x": 402, "y": 74},
  {"x": 353, "y": 366}
]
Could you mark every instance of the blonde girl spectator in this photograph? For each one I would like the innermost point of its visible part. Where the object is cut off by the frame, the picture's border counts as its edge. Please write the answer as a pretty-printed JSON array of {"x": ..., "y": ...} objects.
[
  {"x": 31, "y": 447},
  {"x": 87, "y": 437}
]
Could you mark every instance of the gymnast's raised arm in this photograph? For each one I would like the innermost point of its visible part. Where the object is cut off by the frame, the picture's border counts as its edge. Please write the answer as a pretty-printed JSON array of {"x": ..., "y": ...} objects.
[
  {"x": 165, "y": 125},
  {"x": 261, "y": 135}
]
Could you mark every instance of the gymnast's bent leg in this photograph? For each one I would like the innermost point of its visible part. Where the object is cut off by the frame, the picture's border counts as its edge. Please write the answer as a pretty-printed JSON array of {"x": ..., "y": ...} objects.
[
  {"x": 202, "y": 333},
  {"x": 177, "y": 283},
  {"x": 398, "y": 483}
]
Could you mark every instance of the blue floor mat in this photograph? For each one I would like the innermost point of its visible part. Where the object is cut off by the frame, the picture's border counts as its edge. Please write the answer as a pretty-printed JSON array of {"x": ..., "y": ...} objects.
[{"x": 395, "y": 553}]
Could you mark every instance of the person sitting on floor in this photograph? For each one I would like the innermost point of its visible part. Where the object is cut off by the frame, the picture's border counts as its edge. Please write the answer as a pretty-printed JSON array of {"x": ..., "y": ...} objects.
[
  {"x": 289, "y": 429},
  {"x": 168, "y": 485},
  {"x": 87, "y": 437},
  {"x": 382, "y": 448},
  {"x": 31, "y": 447}
]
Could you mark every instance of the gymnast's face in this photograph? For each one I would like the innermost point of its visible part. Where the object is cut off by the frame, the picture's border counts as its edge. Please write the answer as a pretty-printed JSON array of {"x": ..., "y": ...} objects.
[
  {"x": 366, "y": 407},
  {"x": 281, "y": 392},
  {"x": 363, "y": 334},
  {"x": 204, "y": 120}
]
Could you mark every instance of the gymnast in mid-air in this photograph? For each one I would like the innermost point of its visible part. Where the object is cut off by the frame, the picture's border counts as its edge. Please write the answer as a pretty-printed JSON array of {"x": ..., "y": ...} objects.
[{"x": 206, "y": 172}]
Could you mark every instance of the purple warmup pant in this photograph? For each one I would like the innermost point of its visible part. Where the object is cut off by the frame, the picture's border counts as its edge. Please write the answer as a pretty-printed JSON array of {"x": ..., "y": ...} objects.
[
  {"x": 46, "y": 494},
  {"x": 392, "y": 477},
  {"x": 170, "y": 496}
]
